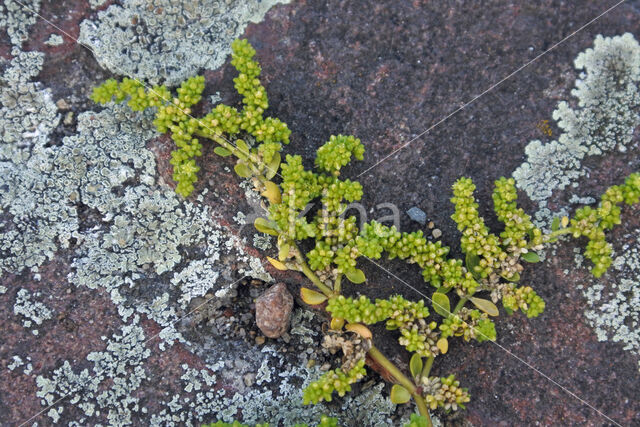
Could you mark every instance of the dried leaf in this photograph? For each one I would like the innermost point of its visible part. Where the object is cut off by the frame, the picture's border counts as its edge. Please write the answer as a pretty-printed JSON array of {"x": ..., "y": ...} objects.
[
  {"x": 311, "y": 297},
  {"x": 277, "y": 264},
  {"x": 359, "y": 329}
]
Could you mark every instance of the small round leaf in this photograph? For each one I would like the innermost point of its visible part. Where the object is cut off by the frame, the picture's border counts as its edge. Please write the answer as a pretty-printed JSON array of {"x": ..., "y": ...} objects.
[
  {"x": 399, "y": 394},
  {"x": 272, "y": 192},
  {"x": 356, "y": 276},
  {"x": 311, "y": 297},
  {"x": 531, "y": 257},
  {"x": 486, "y": 306},
  {"x": 415, "y": 365},
  {"x": 272, "y": 167},
  {"x": 359, "y": 329},
  {"x": 221, "y": 151},
  {"x": 263, "y": 225},
  {"x": 277, "y": 264},
  {"x": 242, "y": 170},
  {"x": 441, "y": 304},
  {"x": 443, "y": 345},
  {"x": 337, "y": 323}
]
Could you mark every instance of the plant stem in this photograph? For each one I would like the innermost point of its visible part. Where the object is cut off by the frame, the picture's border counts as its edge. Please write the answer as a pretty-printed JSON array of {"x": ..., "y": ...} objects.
[
  {"x": 401, "y": 379},
  {"x": 337, "y": 285},
  {"x": 427, "y": 367},
  {"x": 460, "y": 304},
  {"x": 327, "y": 291}
]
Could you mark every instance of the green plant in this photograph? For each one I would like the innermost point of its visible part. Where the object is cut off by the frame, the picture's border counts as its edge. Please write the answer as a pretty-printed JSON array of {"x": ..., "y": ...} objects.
[{"x": 491, "y": 267}]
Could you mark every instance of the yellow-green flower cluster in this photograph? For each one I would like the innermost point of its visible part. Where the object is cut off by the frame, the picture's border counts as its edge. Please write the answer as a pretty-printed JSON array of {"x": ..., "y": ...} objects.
[
  {"x": 592, "y": 223},
  {"x": 254, "y": 96},
  {"x": 523, "y": 298},
  {"x": 469, "y": 324},
  {"x": 334, "y": 380},
  {"x": 517, "y": 224},
  {"x": 358, "y": 310},
  {"x": 402, "y": 312},
  {"x": 476, "y": 238},
  {"x": 337, "y": 152},
  {"x": 430, "y": 256},
  {"x": 174, "y": 115},
  {"x": 421, "y": 338},
  {"x": 444, "y": 392}
]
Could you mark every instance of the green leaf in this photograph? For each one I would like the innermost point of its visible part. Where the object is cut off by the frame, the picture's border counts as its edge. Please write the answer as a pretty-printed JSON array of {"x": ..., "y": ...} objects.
[
  {"x": 441, "y": 304},
  {"x": 508, "y": 310},
  {"x": 263, "y": 225},
  {"x": 555, "y": 224},
  {"x": 272, "y": 192},
  {"x": 242, "y": 146},
  {"x": 471, "y": 262},
  {"x": 515, "y": 278},
  {"x": 221, "y": 151},
  {"x": 242, "y": 170},
  {"x": 272, "y": 167},
  {"x": 356, "y": 275},
  {"x": 485, "y": 305},
  {"x": 311, "y": 297},
  {"x": 399, "y": 394},
  {"x": 283, "y": 252},
  {"x": 443, "y": 345},
  {"x": 531, "y": 257},
  {"x": 415, "y": 365}
]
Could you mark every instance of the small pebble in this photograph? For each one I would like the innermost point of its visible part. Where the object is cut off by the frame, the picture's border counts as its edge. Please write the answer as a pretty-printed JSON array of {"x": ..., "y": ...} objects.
[
  {"x": 431, "y": 225},
  {"x": 417, "y": 215},
  {"x": 62, "y": 104},
  {"x": 436, "y": 233},
  {"x": 260, "y": 340}
]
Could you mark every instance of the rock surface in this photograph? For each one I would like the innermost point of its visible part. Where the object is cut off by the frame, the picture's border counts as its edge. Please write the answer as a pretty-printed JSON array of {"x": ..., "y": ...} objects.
[
  {"x": 273, "y": 310},
  {"x": 82, "y": 320}
]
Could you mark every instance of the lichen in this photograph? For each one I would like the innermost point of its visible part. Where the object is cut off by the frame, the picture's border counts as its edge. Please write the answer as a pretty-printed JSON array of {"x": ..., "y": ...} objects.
[
  {"x": 34, "y": 312},
  {"x": 604, "y": 119},
  {"x": 54, "y": 40},
  {"x": 168, "y": 41},
  {"x": 17, "y": 19},
  {"x": 614, "y": 308},
  {"x": 116, "y": 374}
]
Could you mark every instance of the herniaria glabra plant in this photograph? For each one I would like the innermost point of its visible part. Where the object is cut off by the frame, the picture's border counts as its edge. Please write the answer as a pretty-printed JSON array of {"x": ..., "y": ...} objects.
[{"x": 466, "y": 291}]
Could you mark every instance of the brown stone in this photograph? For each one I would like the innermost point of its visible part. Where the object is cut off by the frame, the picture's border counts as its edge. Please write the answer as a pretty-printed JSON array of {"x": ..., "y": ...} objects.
[{"x": 273, "y": 310}]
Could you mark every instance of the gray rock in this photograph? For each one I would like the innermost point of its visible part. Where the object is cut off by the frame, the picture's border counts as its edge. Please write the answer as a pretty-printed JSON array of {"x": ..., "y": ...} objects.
[{"x": 417, "y": 215}]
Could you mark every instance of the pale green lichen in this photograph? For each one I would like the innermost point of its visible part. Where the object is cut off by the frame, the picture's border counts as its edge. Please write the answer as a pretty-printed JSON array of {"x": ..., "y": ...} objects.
[
  {"x": 54, "y": 40},
  {"x": 168, "y": 41},
  {"x": 604, "y": 119},
  {"x": 110, "y": 387},
  {"x": 33, "y": 312},
  {"x": 614, "y": 308},
  {"x": 16, "y": 19}
]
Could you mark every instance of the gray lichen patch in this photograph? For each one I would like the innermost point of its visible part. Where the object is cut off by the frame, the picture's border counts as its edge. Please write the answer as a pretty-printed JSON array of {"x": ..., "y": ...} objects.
[
  {"x": 16, "y": 19},
  {"x": 604, "y": 119},
  {"x": 110, "y": 387},
  {"x": 54, "y": 40},
  {"x": 168, "y": 41},
  {"x": 614, "y": 308}
]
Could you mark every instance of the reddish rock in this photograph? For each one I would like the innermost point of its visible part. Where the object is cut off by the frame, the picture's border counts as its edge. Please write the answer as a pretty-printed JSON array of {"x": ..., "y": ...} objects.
[{"x": 273, "y": 310}]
